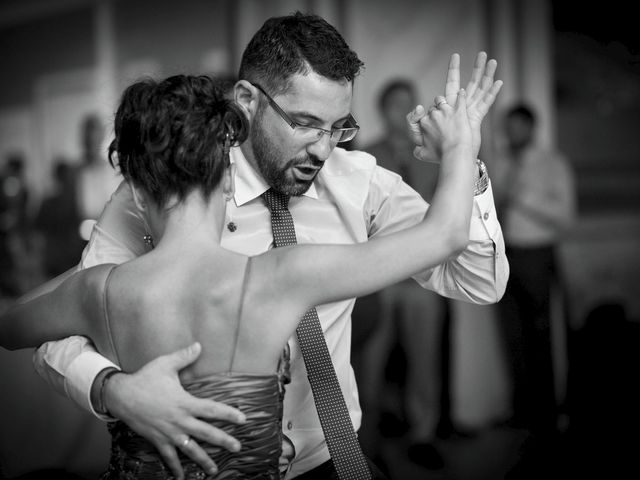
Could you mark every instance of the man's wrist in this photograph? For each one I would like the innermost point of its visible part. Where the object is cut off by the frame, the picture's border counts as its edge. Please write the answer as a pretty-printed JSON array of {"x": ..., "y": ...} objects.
[{"x": 98, "y": 389}]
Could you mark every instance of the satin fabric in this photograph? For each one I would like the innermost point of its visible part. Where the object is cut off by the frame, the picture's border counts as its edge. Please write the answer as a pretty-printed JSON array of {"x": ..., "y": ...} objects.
[{"x": 258, "y": 396}]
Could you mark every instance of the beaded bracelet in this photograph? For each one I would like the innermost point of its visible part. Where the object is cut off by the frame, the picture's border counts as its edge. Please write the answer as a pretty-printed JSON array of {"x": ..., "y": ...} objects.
[{"x": 101, "y": 407}]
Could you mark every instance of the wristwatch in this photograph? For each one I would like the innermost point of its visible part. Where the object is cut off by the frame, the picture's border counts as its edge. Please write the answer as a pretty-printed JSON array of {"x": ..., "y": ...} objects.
[{"x": 482, "y": 182}]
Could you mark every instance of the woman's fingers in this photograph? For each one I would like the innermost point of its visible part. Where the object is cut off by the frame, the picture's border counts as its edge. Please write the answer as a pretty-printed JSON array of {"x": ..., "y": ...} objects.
[{"x": 476, "y": 74}]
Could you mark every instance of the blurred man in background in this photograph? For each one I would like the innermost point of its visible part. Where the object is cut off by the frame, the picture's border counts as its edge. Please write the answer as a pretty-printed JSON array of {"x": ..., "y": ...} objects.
[
  {"x": 535, "y": 196},
  {"x": 408, "y": 313}
]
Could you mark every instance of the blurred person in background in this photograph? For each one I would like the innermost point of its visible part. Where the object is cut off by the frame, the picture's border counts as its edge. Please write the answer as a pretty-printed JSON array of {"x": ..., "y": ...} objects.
[
  {"x": 15, "y": 238},
  {"x": 95, "y": 180},
  {"x": 408, "y": 314},
  {"x": 58, "y": 223},
  {"x": 535, "y": 198}
]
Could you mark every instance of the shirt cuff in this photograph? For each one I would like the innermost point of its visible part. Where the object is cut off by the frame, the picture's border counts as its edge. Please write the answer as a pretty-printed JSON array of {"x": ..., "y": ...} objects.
[
  {"x": 80, "y": 376},
  {"x": 484, "y": 221}
]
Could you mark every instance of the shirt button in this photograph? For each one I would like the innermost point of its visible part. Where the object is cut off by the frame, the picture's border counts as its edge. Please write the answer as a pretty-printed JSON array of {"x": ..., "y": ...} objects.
[
  {"x": 289, "y": 425},
  {"x": 486, "y": 215}
]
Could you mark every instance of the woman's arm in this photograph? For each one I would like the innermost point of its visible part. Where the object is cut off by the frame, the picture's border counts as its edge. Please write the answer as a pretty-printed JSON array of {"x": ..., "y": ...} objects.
[
  {"x": 70, "y": 305},
  {"x": 46, "y": 287}
]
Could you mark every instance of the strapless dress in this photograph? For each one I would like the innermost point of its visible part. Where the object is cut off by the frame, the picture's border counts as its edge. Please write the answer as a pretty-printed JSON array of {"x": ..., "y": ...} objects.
[{"x": 259, "y": 397}]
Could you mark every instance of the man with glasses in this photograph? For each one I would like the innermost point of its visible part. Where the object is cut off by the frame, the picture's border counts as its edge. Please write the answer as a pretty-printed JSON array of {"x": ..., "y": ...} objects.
[{"x": 296, "y": 86}]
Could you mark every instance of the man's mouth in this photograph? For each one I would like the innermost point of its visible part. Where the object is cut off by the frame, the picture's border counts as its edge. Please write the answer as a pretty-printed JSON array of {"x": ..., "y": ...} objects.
[{"x": 305, "y": 172}]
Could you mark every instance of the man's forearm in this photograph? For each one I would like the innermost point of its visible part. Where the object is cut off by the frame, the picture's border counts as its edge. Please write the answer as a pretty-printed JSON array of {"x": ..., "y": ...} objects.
[
  {"x": 480, "y": 273},
  {"x": 70, "y": 366}
]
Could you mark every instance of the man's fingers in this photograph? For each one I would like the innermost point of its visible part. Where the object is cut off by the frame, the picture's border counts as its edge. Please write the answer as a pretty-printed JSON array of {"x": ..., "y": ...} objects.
[
  {"x": 486, "y": 82},
  {"x": 439, "y": 101},
  {"x": 414, "y": 116},
  {"x": 209, "y": 434},
  {"x": 461, "y": 102},
  {"x": 170, "y": 457},
  {"x": 452, "y": 84},
  {"x": 413, "y": 122},
  {"x": 181, "y": 358},
  {"x": 490, "y": 97},
  {"x": 487, "y": 78},
  {"x": 476, "y": 74},
  {"x": 203, "y": 408},
  {"x": 195, "y": 452}
]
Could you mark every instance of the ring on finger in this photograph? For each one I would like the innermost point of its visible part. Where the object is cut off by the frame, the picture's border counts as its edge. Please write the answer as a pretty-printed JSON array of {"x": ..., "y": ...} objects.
[
  {"x": 441, "y": 102},
  {"x": 185, "y": 442}
]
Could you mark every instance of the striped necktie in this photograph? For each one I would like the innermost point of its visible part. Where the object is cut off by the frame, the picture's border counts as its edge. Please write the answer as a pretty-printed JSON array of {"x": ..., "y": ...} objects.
[{"x": 342, "y": 440}]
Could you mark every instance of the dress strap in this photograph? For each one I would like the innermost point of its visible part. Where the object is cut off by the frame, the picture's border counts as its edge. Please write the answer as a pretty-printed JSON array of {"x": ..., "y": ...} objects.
[
  {"x": 238, "y": 318},
  {"x": 105, "y": 314}
]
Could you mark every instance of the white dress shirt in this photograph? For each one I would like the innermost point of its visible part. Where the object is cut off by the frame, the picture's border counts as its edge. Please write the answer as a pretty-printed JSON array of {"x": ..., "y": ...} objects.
[
  {"x": 541, "y": 196},
  {"x": 351, "y": 200}
]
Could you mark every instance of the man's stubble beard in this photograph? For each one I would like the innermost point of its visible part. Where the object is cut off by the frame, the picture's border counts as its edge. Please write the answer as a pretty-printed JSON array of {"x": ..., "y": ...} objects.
[{"x": 273, "y": 169}]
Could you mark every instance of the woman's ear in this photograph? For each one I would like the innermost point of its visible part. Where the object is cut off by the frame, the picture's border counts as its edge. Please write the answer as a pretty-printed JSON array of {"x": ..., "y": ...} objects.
[
  {"x": 228, "y": 182},
  {"x": 139, "y": 198},
  {"x": 246, "y": 97}
]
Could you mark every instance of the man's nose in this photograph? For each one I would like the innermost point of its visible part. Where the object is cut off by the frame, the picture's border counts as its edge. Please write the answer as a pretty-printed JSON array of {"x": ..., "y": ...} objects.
[{"x": 321, "y": 148}]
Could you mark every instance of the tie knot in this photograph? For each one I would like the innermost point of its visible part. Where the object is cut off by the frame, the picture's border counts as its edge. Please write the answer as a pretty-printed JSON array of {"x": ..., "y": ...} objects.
[{"x": 276, "y": 200}]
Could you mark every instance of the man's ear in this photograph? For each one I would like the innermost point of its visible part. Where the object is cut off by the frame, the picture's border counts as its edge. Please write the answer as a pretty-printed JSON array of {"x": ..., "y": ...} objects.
[
  {"x": 139, "y": 198},
  {"x": 246, "y": 96},
  {"x": 228, "y": 182}
]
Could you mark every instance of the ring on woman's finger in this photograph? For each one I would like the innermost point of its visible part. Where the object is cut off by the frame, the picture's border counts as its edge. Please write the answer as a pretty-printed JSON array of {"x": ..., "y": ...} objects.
[
  {"x": 185, "y": 442},
  {"x": 440, "y": 103}
]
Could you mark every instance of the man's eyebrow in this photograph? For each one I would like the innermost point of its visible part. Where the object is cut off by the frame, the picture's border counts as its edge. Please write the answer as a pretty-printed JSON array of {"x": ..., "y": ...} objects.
[{"x": 311, "y": 116}]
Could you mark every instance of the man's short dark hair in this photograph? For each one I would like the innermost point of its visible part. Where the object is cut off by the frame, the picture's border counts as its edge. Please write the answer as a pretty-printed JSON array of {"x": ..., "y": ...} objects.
[{"x": 296, "y": 44}]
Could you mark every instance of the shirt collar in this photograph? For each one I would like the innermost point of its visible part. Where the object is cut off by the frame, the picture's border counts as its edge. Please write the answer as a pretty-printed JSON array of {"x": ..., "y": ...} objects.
[{"x": 249, "y": 183}]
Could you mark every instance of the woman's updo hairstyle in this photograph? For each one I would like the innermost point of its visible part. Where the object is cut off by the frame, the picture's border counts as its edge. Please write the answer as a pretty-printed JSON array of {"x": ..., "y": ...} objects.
[{"x": 174, "y": 136}]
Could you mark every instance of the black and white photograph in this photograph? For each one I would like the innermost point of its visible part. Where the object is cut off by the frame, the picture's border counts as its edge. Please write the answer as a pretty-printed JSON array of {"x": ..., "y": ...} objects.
[{"x": 319, "y": 239}]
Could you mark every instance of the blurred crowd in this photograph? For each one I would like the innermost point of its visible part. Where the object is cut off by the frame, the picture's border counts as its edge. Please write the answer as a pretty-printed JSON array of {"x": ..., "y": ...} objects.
[{"x": 42, "y": 239}]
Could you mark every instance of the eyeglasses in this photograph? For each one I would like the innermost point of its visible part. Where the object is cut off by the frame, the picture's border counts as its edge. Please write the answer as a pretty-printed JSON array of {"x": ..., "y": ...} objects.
[{"x": 313, "y": 134}]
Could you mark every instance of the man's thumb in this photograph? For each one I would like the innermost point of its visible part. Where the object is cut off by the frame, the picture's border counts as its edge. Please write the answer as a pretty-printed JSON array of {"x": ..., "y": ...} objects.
[{"x": 184, "y": 357}]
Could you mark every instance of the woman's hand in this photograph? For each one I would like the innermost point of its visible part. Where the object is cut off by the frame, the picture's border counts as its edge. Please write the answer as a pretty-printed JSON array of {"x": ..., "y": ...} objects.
[
  {"x": 481, "y": 92},
  {"x": 445, "y": 127},
  {"x": 153, "y": 403}
]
